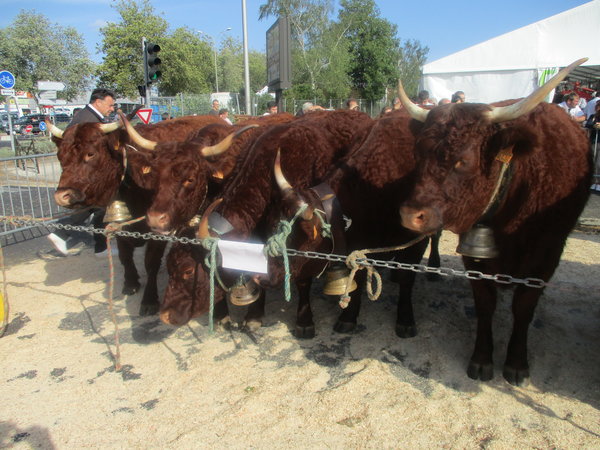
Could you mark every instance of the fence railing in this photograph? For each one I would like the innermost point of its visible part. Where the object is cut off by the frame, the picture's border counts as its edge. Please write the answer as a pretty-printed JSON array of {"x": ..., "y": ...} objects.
[{"x": 27, "y": 189}]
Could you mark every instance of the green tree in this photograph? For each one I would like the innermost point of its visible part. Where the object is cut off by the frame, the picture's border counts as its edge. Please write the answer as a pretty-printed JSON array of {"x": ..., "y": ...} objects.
[
  {"x": 231, "y": 65},
  {"x": 34, "y": 49},
  {"x": 122, "y": 66},
  {"x": 257, "y": 67},
  {"x": 373, "y": 46},
  {"x": 187, "y": 63},
  {"x": 411, "y": 59},
  {"x": 318, "y": 46}
]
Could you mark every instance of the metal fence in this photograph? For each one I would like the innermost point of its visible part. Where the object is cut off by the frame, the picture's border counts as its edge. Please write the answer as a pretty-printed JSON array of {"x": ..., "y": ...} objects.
[{"x": 27, "y": 189}]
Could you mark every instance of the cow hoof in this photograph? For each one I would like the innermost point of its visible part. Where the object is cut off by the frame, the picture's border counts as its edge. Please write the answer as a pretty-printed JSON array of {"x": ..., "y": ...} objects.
[
  {"x": 253, "y": 324},
  {"x": 148, "y": 310},
  {"x": 344, "y": 327},
  {"x": 516, "y": 377},
  {"x": 131, "y": 288},
  {"x": 305, "y": 332},
  {"x": 406, "y": 331},
  {"x": 483, "y": 372}
]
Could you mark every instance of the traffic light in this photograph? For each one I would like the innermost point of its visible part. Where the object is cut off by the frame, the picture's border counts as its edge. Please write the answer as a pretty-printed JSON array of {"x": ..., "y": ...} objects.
[{"x": 152, "y": 63}]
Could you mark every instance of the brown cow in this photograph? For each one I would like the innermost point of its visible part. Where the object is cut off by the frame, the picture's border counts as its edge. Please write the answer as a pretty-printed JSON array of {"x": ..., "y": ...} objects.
[
  {"x": 94, "y": 172},
  {"x": 461, "y": 151},
  {"x": 252, "y": 205}
]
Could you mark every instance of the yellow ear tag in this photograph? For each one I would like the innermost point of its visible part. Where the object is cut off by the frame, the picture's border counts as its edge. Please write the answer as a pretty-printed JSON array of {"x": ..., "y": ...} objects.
[
  {"x": 146, "y": 170},
  {"x": 314, "y": 232},
  {"x": 218, "y": 174}
]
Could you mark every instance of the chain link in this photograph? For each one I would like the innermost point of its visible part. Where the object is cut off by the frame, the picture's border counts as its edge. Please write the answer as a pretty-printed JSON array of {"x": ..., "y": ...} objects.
[{"x": 394, "y": 265}]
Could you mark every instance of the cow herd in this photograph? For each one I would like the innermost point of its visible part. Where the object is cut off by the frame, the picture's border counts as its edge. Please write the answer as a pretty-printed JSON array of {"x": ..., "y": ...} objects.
[{"x": 521, "y": 169}]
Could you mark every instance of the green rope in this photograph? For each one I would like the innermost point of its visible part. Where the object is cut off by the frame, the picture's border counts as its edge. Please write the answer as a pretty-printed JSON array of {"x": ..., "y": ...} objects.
[
  {"x": 276, "y": 246},
  {"x": 325, "y": 227},
  {"x": 211, "y": 245}
]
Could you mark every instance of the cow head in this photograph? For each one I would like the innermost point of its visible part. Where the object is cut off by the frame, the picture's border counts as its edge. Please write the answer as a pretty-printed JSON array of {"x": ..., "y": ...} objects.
[
  {"x": 456, "y": 150},
  {"x": 91, "y": 163}
]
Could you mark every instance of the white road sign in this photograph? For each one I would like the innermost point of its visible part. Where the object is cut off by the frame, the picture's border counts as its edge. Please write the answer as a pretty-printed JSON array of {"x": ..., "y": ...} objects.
[{"x": 50, "y": 86}]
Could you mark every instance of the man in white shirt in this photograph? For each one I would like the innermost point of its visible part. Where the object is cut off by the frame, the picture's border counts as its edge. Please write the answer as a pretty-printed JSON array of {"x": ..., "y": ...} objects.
[{"x": 571, "y": 106}]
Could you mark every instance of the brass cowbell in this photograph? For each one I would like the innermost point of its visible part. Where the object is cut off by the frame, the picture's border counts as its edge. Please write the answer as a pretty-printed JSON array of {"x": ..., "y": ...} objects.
[
  {"x": 336, "y": 278},
  {"x": 117, "y": 212},
  {"x": 478, "y": 243},
  {"x": 243, "y": 292}
]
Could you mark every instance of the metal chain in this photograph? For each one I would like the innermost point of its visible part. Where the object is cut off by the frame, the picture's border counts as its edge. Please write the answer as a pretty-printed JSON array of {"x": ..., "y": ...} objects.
[{"x": 394, "y": 265}]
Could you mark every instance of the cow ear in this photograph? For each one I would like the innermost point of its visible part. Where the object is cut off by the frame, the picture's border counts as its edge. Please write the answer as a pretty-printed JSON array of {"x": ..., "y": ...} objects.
[{"x": 522, "y": 139}]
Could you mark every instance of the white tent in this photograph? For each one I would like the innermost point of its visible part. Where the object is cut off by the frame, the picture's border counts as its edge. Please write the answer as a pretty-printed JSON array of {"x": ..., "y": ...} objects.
[{"x": 513, "y": 64}]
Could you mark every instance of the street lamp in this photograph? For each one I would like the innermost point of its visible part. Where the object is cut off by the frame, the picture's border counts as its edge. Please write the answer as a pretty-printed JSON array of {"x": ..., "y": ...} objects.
[{"x": 214, "y": 44}]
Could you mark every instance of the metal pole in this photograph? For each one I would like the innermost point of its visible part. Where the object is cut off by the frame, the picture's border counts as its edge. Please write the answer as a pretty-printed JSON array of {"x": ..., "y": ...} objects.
[
  {"x": 9, "y": 118},
  {"x": 145, "y": 62},
  {"x": 246, "y": 62},
  {"x": 216, "y": 72}
]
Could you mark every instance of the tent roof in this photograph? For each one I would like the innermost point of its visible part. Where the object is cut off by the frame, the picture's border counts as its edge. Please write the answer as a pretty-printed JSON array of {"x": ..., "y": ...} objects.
[{"x": 551, "y": 42}]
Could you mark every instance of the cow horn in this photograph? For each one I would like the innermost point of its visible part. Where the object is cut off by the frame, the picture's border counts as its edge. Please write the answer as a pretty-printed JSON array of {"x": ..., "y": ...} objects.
[
  {"x": 202, "y": 232},
  {"x": 137, "y": 137},
  {"x": 416, "y": 112},
  {"x": 217, "y": 149},
  {"x": 110, "y": 127},
  {"x": 286, "y": 187},
  {"x": 505, "y": 113},
  {"x": 283, "y": 184},
  {"x": 56, "y": 132}
]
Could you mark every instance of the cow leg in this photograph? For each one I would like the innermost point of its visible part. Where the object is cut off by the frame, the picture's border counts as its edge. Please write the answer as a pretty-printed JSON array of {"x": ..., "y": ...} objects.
[
  {"x": 516, "y": 367},
  {"x": 131, "y": 284},
  {"x": 405, "y": 321},
  {"x": 481, "y": 364},
  {"x": 434, "y": 256},
  {"x": 305, "y": 327},
  {"x": 152, "y": 261},
  {"x": 346, "y": 323}
]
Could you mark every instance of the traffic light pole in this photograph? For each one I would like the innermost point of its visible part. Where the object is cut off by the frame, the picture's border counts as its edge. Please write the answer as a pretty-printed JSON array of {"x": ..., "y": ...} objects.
[{"x": 145, "y": 53}]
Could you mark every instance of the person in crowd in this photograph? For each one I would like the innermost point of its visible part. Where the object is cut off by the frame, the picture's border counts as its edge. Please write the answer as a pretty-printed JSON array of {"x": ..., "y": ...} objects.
[
  {"x": 423, "y": 99},
  {"x": 215, "y": 108},
  {"x": 271, "y": 108},
  {"x": 165, "y": 116},
  {"x": 68, "y": 243},
  {"x": 590, "y": 108},
  {"x": 443, "y": 101},
  {"x": 308, "y": 107},
  {"x": 396, "y": 104},
  {"x": 571, "y": 105},
  {"x": 224, "y": 114},
  {"x": 385, "y": 110},
  {"x": 352, "y": 104},
  {"x": 458, "y": 97},
  {"x": 593, "y": 126}
]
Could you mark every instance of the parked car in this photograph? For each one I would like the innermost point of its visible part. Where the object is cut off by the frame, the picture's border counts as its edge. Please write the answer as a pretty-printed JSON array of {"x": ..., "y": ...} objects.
[
  {"x": 4, "y": 120},
  {"x": 61, "y": 118},
  {"x": 34, "y": 120}
]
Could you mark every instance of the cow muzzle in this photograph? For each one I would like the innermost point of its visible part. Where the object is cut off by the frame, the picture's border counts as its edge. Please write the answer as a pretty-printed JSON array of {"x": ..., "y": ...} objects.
[
  {"x": 158, "y": 222},
  {"x": 68, "y": 197},
  {"x": 422, "y": 220}
]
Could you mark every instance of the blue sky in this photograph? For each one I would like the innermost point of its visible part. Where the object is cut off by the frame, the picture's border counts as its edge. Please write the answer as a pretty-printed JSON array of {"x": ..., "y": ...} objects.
[{"x": 443, "y": 26}]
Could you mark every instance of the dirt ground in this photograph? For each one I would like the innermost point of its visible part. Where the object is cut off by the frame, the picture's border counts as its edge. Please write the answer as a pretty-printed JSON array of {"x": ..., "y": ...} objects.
[{"x": 187, "y": 388}]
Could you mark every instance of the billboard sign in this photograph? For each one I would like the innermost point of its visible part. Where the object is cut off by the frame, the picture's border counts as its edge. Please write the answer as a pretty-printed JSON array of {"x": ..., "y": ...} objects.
[{"x": 278, "y": 55}]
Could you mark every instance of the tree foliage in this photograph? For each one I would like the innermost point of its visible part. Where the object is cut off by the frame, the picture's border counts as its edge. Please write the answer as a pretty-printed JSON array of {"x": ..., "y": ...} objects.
[
  {"x": 122, "y": 66},
  {"x": 34, "y": 49},
  {"x": 187, "y": 63}
]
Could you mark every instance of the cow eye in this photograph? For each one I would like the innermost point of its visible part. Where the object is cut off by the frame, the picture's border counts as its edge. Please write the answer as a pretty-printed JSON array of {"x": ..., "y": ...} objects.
[
  {"x": 460, "y": 165},
  {"x": 188, "y": 181},
  {"x": 89, "y": 155},
  {"x": 188, "y": 273}
]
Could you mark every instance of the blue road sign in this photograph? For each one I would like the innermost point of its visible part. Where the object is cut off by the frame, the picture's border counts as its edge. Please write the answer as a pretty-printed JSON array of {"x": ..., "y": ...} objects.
[
  {"x": 42, "y": 126},
  {"x": 7, "y": 79}
]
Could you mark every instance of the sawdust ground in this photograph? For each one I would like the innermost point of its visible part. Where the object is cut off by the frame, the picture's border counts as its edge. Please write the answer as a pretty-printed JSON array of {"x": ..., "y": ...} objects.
[{"x": 186, "y": 388}]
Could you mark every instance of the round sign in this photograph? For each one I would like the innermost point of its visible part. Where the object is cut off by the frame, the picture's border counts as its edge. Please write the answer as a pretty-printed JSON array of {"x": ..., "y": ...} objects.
[
  {"x": 42, "y": 126},
  {"x": 28, "y": 128},
  {"x": 7, "y": 79}
]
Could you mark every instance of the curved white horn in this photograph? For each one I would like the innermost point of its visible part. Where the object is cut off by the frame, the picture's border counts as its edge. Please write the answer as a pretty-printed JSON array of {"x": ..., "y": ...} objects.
[
  {"x": 221, "y": 147},
  {"x": 283, "y": 184},
  {"x": 56, "y": 132},
  {"x": 505, "y": 113},
  {"x": 202, "y": 231},
  {"x": 136, "y": 137},
  {"x": 110, "y": 127},
  {"x": 415, "y": 111}
]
